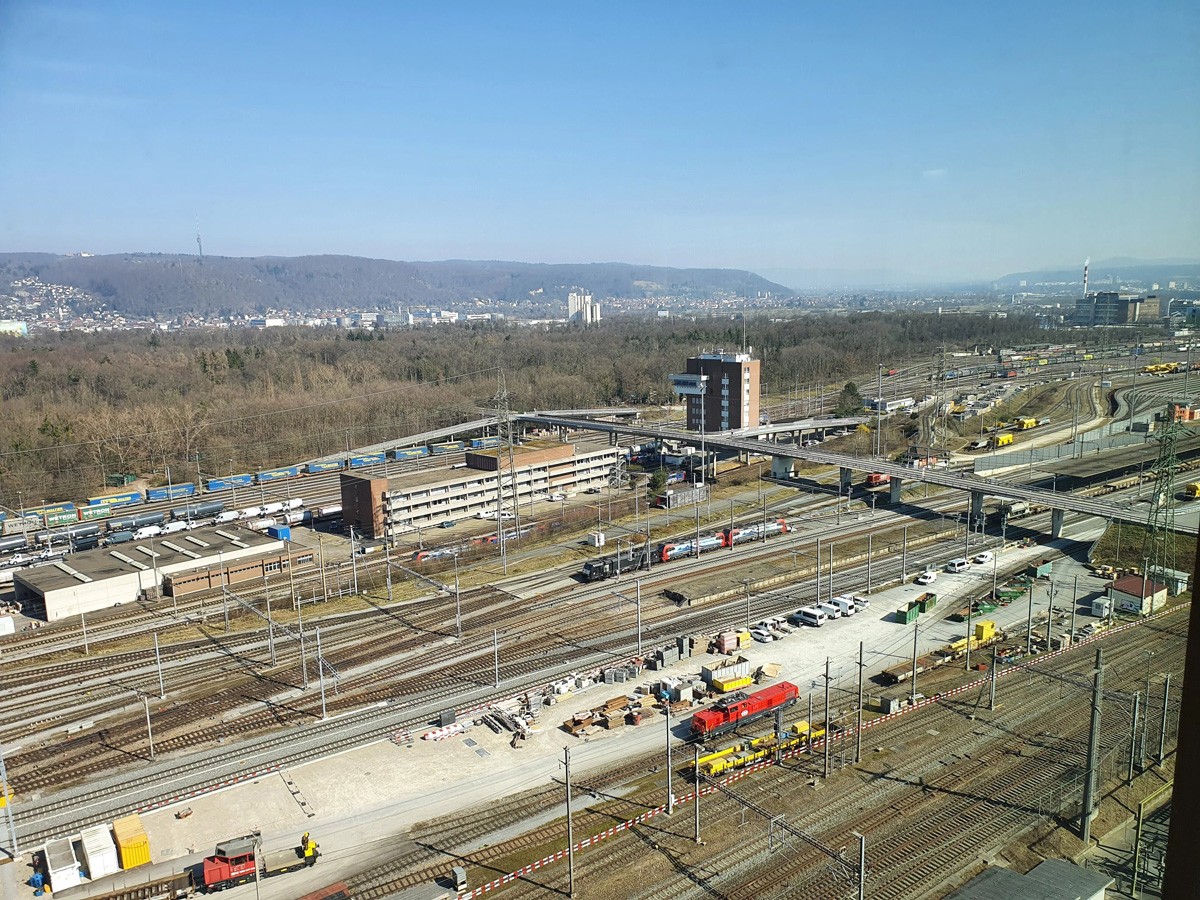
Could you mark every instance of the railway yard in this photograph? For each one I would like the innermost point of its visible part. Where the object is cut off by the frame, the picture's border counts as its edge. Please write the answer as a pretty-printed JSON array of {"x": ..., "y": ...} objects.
[{"x": 411, "y": 712}]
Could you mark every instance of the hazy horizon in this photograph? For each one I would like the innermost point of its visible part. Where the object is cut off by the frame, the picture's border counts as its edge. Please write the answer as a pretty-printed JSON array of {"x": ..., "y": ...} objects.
[{"x": 938, "y": 143}]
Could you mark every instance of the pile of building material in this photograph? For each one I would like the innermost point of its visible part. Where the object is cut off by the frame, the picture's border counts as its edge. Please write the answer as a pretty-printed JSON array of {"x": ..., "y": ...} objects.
[
  {"x": 616, "y": 712},
  {"x": 620, "y": 674},
  {"x": 664, "y": 656},
  {"x": 731, "y": 641}
]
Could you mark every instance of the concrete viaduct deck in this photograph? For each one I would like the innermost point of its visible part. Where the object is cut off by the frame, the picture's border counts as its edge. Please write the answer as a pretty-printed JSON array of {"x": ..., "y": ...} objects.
[{"x": 977, "y": 487}]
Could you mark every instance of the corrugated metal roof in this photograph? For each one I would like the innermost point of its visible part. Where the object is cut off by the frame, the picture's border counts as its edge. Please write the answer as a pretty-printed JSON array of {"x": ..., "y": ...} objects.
[
  {"x": 1052, "y": 879},
  {"x": 1132, "y": 585}
]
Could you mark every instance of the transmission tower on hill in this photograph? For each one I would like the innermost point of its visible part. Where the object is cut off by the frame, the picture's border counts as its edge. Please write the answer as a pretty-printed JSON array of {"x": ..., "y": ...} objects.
[{"x": 1158, "y": 549}]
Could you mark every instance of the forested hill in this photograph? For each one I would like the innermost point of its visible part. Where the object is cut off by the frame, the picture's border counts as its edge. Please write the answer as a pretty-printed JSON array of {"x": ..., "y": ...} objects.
[{"x": 142, "y": 284}]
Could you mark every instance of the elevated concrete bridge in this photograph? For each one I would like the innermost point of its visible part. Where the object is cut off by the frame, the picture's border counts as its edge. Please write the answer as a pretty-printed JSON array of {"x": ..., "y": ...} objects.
[{"x": 977, "y": 487}]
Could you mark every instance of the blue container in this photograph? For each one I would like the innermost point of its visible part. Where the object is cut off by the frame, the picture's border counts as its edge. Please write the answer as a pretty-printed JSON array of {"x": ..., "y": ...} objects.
[
  {"x": 314, "y": 468},
  {"x": 367, "y": 459},
  {"x": 447, "y": 447},
  {"x": 484, "y": 443},
  {"x": 228, "y": 484},
  {"x": 171, "y": 491},
  {"x": 409, "y": 452},
  {"x": 126, "y": 499},
  {"x": 277, "y": 474},
  {"x": 280, "y": 532}
]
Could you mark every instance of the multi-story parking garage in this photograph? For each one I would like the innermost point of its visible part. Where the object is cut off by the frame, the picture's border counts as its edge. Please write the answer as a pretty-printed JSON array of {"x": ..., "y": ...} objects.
[{"x": 489, "y": 481}]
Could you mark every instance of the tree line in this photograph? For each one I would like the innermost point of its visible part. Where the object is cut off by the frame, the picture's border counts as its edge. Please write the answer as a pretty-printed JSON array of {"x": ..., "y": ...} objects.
[{"x": 210, "y": 403}]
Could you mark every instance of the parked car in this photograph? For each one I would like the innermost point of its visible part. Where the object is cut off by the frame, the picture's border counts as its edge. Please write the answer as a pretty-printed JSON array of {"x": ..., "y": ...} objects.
[
  {"x": 556, "y": 498},
  {"x": 505, "y": 516},
  {"x": 984, "y": 557},
  {"x": 762, "y": 635},
  {"x": 449, "y": 523}
]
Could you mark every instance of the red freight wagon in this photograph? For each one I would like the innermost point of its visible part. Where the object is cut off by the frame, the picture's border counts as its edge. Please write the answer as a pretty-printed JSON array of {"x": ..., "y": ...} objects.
[{"x": 739, "y": 708}]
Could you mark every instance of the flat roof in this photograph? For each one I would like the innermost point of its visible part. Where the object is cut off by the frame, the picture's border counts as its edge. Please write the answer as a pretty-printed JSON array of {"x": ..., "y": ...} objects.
[
  {"x": 407, "y": 481},
  {"x": 198, "y": 546}
]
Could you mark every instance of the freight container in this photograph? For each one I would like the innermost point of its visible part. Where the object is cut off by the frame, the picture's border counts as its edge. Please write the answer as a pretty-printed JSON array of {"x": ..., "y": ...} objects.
[
  {"x": 17, "y": 525},
  {"x": 277, "y": 474},
  {"x": 61, "y": 865},
  {"x": 171, "y": 491},
  {"x": 128, "y": 498},
  {"x": 402, "y": 453},
  {"x": 133, "y": 846},
  {"x": 908, "y": 614},
  {"x": 484, "y": 443},
  {"x": 726, "y": 671},
  {"x": 60, "y": 517},
  {"x": 99, "y": 852},
  {"x": 329, "y": 465},
  {"x": 366, "y": 459},
  {"x": 280, "y": 532},
  {"x": 447, "y": 447},
  {"x": 1040, "y": 569},
  {"x": 733, "y": 684},
  {"x": 91, "y": 513},
  {"x": 229, "y": 483},
  {"x": 926, "y": 601}
]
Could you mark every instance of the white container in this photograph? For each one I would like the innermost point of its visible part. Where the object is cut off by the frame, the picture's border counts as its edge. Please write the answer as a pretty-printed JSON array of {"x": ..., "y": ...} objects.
[
  {"x": 596, "y": 538},
  {"x": 7, "y": 626},
  {"x": 61, "y": 864},
  {"x": 99, "y": 852}
]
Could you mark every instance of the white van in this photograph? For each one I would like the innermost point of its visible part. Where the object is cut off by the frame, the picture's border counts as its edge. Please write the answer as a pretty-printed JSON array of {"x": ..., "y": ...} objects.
[
  {"x": 958, "y": 565},
  {"x": 860, "y": 603},
  {"x": 831, "y": 611},
  {"x": 845, "y": 604},
  {"x": 927, "y": 577},
  {"x": 172, "y": 527},
  {"x": 227, "y": 516},
  {"x": 810, "y": 615},
  {"x": 147, "y": 532}
]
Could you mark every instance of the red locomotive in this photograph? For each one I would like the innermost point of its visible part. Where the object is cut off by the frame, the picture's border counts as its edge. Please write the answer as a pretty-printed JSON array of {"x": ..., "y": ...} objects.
[
  {"x": 737, "y": 709},
  {"x": 241, "y": 860}
]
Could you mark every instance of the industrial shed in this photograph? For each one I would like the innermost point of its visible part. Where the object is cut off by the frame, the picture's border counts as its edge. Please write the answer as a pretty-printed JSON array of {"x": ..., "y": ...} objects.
[{"x": 109, "y": 576}]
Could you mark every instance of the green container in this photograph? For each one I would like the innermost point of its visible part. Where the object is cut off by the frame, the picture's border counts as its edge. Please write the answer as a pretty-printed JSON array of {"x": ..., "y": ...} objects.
[
  {"x": 94, "y": 511},
  {"x": 908, "y": 614},
  {"x": 985, "y": 608},
  {"x": 119, "y": 479},
  {"x": 61, "y": 517},
  {"x": 928, "y": 602}
]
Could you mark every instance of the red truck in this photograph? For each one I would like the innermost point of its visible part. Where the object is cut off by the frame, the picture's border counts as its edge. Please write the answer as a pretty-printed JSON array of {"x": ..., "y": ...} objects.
[
  {"x": 242, "y": 860},
  {"x": 875, "y": 479}
]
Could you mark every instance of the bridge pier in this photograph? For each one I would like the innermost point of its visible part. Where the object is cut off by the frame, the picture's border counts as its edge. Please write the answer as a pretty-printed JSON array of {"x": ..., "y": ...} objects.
[
  {"x": 975, "y": 510},
  {"x": 1056, "y": 522},
  {"x": 612, "y": 439},
  {"x": 845, "y": 478},
  {"x": 781, "y": 466},
  {"x": 894, "y": 489}
]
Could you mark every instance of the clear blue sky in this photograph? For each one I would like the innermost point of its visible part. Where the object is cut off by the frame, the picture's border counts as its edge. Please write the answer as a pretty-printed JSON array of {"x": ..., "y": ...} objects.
[{"x": 930, "y": 139}]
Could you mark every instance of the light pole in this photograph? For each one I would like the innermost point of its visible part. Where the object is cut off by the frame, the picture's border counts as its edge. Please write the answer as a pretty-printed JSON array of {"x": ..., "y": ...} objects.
[{"x": 457, "y": 602}]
